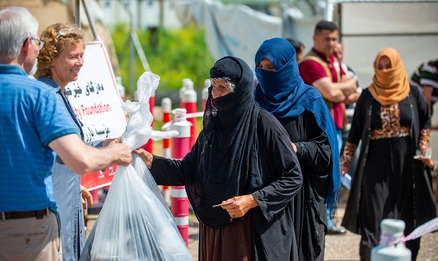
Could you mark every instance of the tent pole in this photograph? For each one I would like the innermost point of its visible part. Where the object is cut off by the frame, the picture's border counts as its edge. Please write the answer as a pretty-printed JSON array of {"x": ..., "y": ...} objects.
[
  {"x": 77, "y": 13},
  {"x": 90, "y": 21}
]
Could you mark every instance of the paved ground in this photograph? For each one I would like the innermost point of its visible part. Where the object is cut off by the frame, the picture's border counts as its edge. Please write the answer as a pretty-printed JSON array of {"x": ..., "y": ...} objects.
[{"x": 338, "y": 247}]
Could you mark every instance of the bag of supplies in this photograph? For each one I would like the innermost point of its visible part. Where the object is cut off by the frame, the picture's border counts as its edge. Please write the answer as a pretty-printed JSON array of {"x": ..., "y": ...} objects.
[{"x": 135, "y": 222}]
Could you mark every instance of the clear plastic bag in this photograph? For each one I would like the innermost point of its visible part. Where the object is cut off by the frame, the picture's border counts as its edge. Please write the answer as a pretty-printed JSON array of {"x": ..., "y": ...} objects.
[{"x": 135, "y": 222}]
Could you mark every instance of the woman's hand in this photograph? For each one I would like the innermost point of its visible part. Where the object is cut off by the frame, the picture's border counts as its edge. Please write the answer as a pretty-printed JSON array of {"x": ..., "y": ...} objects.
[
  {"x": 239, "y": 205},
  {"x": 87, "y": 198},
  {"x": 145, "y": 156},
  {"x": 428, "y": 161},
  {"x": 423, "y": 149},
  {"x": 295, "y": 147}
]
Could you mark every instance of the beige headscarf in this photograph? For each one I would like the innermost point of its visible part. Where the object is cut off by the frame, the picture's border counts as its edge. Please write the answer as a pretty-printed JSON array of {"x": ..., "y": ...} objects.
[{"x": 389, "y": 86}]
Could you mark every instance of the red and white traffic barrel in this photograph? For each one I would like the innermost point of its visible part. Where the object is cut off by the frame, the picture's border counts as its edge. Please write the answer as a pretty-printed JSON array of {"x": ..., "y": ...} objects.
[
  {"x": 185, "y": 83},
  {"x": 179, "y": 205},
  {"x": 166, "y": 108},
  {"x": 180, "y": 146},
  {"x": 189, "y": 101},
  {"x": 149, "y": 145}
]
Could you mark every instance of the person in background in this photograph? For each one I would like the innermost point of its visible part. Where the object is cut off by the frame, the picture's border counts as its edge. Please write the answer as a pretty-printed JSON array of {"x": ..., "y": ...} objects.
[
  {"x": 338, "y": 52},
  {"x": 392, "y": 121},
  {"x": 299, "y": 48},
  {"x": 34, "y": 124},
  {"x": 318, "y": 69},
  {"x": 303, "y": 113},
  {"x": 426, "y": 79},
  {"x": 244, "y": 160},
  {"x": 59, "y": 63}
]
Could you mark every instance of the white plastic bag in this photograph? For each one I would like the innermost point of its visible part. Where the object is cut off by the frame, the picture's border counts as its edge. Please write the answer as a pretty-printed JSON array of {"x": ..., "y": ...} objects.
[{"x": 135, "y": 222}]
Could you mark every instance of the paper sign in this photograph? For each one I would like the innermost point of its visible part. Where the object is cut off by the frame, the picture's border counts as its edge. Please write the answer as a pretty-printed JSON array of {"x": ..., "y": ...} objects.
[
  {"x": 98, "y": 179},
  {"x": 95, "y": 99},
  {"x": 94, "y": 96}
]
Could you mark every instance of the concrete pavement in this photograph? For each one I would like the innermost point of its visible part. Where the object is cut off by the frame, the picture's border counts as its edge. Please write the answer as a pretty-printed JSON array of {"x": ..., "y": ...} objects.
[{"x": 338, "y": 247}]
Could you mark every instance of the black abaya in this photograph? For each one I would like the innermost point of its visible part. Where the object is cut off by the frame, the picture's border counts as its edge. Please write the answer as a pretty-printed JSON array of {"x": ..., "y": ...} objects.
[
  {"x": 314, "y": 154},
  {"x": 388, "y": 182}
]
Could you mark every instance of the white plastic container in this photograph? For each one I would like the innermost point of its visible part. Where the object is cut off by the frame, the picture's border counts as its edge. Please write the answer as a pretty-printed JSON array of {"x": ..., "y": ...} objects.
[
  {"x": 392, "y": 230},
  {"x": 186, "y": 82}
]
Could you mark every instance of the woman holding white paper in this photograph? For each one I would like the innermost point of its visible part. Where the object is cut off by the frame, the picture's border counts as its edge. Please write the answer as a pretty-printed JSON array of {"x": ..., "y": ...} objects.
[{"x": 391, "y": 120}]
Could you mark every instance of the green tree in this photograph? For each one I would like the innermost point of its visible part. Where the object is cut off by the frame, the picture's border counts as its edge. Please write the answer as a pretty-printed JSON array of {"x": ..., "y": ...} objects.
[{"x": 173, "y": 55}]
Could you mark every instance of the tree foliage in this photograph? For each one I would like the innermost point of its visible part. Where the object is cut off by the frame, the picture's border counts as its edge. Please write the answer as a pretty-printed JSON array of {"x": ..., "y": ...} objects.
[{"x": 173, "y": 54}]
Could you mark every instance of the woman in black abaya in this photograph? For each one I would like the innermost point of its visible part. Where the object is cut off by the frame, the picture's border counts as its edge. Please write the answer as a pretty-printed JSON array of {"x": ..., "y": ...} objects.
[
  {"x": 305, "y": 116},
  {"x": 392, "y": 121},
  {"x": 243, "y": 157}
]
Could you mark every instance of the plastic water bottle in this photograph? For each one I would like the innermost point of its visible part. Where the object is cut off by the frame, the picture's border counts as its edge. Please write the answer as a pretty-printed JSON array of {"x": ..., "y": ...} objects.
[{"x": 392, "y": 230}]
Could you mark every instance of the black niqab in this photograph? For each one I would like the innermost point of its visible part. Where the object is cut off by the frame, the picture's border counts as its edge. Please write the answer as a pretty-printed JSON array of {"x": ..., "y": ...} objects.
[{"x": 230, "y": 150}]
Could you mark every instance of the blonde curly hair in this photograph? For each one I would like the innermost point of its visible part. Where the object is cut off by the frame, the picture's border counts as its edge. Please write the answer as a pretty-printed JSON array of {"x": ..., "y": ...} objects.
[{"x": 58, "y": 38}]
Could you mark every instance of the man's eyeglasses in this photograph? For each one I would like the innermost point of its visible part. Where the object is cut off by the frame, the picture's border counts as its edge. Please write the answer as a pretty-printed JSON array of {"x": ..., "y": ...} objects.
[
  {"x": 65, "y": 31},
  {"x": 41, "y": 43}
]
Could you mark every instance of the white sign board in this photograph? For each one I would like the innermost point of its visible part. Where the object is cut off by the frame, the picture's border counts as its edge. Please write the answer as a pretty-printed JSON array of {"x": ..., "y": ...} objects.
[{"x": 94, "y": 96}]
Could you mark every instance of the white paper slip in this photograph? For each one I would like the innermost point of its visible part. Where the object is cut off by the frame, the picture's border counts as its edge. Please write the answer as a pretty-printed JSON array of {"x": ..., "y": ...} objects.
[
  {"x": 427, "y": 154},
  {"x": 346, "y": 181}
]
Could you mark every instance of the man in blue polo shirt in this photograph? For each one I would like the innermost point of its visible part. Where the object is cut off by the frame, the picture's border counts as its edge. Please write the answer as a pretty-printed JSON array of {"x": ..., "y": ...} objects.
[{"x": 33, "y": 124}]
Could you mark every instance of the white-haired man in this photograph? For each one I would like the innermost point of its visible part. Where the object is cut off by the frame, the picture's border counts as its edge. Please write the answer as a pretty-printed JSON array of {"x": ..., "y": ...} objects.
[{"x": 33, "y": 124}]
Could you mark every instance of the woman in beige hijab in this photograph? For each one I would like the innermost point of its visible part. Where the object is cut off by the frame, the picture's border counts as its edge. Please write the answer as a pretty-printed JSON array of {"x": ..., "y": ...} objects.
[{"x": 392, "y": 121}]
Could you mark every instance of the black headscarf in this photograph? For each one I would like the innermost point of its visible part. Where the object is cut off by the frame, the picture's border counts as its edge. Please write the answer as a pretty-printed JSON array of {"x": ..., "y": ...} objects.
[{"x": 230, "y": 151}]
